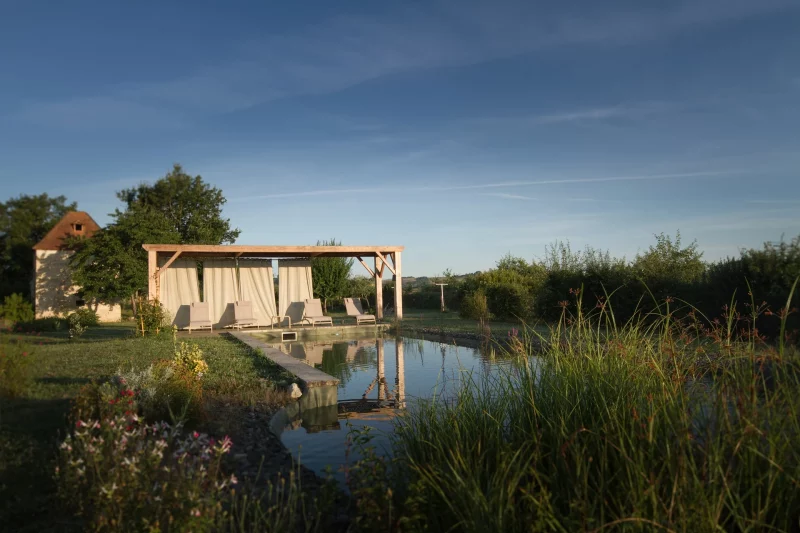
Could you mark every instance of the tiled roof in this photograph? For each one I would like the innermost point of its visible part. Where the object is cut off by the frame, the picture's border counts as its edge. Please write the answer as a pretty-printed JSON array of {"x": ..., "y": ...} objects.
[{"x": 74, "y": 224}]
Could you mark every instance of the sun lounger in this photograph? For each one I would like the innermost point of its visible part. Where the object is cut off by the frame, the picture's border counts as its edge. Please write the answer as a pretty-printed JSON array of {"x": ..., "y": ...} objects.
[
  {"x": 355, "y": 310},
  {"x": 199, "y": 316},
  {"x": 312, "y": 313},
  {"x": 243, "y": 315}
]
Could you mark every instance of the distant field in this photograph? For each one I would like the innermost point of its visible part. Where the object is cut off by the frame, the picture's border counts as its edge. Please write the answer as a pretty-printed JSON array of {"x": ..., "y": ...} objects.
[{"x": 449, "y": 321}]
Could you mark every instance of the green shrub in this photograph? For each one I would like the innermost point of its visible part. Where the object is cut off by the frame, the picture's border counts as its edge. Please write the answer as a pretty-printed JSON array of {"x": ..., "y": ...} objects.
[
  {"x": 14, "y": 368},
  {"x": 166, "y": 391},
  {"x": 189, "y": 356},
  {"x": 86, "y": 317},
  {"x": 475, "y": 306},
  {"x": 76, "y": 327},
  {"x": 16, "y": 309},
  {"x": 151, "y": 317},
  {"x": 510, "y": 301}
]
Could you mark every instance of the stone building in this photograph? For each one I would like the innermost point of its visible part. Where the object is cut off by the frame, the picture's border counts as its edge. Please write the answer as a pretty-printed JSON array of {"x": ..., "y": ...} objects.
[{"x": 53, "y": 291}]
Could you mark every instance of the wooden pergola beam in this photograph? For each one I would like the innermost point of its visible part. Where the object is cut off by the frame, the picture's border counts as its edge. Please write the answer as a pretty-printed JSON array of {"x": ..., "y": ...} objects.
[
  {"x": 384, "y": 262},
  {"x": 371, "y": 273},
  {"x": 272, "y": 251},
  {"x": 168, "y": 263}
]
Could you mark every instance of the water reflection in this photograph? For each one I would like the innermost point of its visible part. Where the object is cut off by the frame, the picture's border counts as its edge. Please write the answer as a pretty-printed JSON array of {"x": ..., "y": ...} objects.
[
  {"x": 348, "y": 359},
  {"x": 378, "y": 378}
]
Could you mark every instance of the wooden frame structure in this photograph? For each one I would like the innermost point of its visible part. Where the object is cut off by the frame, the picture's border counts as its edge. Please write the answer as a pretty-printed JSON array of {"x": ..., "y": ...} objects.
[{"x": 382, "y": 255}]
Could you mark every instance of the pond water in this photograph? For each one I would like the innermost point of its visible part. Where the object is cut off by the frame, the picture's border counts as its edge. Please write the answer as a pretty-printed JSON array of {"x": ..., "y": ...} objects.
[{"x": 409, "y": 369}]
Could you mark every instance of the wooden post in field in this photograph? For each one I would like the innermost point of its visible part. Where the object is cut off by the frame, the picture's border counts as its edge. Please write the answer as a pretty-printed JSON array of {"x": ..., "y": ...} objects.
[{"x": 442, "y": 286}]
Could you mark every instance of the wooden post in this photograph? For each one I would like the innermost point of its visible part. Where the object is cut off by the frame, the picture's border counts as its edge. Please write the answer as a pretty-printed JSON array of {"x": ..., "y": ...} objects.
[
  {"x": 378, "y": 288},
  {"x": 381, "y": 369},
  {"x": 442, "y": 286},
  {"x": 152, "y": 280},
  {"x": 398, "y": 286},
  {"x": 400, "y": 380}
]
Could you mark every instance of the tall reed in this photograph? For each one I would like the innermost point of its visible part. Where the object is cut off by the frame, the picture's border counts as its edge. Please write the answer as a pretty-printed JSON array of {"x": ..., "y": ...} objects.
[{"x": 654, "y": 424}]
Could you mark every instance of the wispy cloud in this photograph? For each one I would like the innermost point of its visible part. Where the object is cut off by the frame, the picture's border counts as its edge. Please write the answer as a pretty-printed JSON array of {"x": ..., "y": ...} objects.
[
  {"x": 775, "y": 202},
  {"x": 317, "y": 192},
  {"x": 101, "y": 112},
  {"x": 509, "y": 196},
  {"x": 483, "y": 186},
  {"x": 628, "y": 111}
]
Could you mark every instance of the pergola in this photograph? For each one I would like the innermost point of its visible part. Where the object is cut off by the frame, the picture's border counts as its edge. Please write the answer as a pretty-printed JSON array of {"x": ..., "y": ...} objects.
[{"x": 383, "y": 256}]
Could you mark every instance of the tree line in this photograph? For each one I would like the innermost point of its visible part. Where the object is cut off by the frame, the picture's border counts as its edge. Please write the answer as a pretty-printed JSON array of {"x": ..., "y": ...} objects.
[{"x": 758, "y": 280}]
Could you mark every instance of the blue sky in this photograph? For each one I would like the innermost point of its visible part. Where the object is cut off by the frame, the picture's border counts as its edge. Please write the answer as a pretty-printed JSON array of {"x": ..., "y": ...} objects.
[{"x": 462, "y": 130}]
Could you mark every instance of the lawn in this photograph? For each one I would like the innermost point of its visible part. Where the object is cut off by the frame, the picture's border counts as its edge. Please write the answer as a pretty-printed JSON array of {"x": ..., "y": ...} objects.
[
  {"x": 31, "y": 424},
  {"x": 426, "y": 320}
]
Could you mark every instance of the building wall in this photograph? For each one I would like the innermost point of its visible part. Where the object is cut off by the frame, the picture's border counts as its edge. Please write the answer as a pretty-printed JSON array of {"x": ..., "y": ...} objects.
[{"x": 54, "y": 293}]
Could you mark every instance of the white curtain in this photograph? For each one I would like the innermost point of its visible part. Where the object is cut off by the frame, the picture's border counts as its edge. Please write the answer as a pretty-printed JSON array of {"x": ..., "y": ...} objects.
[
  {"x": 219, "y": 290},
  {"x": 179, "y": 289},
  {"x": 294, "y": 287},
  {"x": 256, "y": 285}
]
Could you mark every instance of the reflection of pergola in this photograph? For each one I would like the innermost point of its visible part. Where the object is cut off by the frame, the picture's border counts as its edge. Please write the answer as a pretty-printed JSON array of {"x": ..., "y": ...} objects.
[{"x": 383, "y": 256}]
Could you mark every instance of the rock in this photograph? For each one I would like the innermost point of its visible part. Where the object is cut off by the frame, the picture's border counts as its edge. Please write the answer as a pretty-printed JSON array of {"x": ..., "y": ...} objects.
[{"x": 294, "y": 391}]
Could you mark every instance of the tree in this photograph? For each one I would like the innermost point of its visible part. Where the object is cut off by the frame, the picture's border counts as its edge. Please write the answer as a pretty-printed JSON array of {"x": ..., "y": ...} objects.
[
  {"x": 668, "y": 261},
  {"x": 24, "y": 221},
  {"x": 176, "y": 209},
  {"x": 112, "y": 263},
  {"x": 192, "y": 207},
  {"x": 331, "y": 275}
]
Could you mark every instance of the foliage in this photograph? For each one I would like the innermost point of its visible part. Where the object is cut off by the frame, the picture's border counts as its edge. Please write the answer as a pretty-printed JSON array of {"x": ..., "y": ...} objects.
[
  {"x": 189, "y": 356},
  {"x": 767, "y": 273},
  {"x": 192, "y": 207},
  {"x": 76, "y": 326},
  {"x": 363, "y": 287},
  {"x": 42, "y": 325},
  {"x": 16, "y": 309},
  {"x": 677, "y": 424},
  {"x": 112, "y": 264},
  {"x": 151, "y": 317},
  {"x": 510, "y": 301},
  {"x": 29, "y": 425},
  {"x": 15, "y": 372},
  {"x": 669, "y": 261},
  {"x": 475, "y": 306},
  {"x": 175, "y": 209},
  {"x": 119, "y": 473},
  {"x": 166, "y": 391},
  {"x": 511, "y": 288},
  {"x": 86, "y": 317},
  {"x": 331, "y": 275},
  {"x": 591, "y": 271},
  {"x": 24, "y": 221}
]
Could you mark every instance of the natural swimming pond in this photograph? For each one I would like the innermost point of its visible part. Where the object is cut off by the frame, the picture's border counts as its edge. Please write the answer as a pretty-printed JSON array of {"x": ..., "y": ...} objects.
[{"x": 391, "y": 372}]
